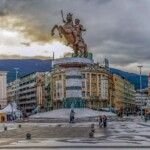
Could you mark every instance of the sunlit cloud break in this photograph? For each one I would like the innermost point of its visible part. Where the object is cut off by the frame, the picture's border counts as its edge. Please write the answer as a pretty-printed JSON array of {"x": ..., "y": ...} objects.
[{"x": 47, "y": 50}]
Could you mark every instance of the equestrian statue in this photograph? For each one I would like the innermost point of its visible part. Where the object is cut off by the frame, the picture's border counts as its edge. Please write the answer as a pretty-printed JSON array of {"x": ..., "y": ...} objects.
[{"x": 72, "y": 31}]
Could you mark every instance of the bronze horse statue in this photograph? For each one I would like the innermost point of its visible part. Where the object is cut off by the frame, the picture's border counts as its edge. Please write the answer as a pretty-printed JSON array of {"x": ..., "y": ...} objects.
[{"x": 68, "y": 31}]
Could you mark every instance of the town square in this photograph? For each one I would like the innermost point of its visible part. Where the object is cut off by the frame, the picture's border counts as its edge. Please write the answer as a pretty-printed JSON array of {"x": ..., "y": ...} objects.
[{"x": 74, "y": 74}]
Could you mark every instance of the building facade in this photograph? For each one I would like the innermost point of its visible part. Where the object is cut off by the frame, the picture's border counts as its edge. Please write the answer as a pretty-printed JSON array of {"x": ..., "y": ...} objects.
[
  {"x": 31, "y": 92},
  {"x": 48, "y": 100},
  {"x": 142, "y": 98},
  {"x": 97, "y": 87},
  {"x": 78, "y": 82},
  {"x": 12, "y": 91},
  {"x": 3, "y": 89},
  {"x": 123, "y": 94},
  {"x": 129, "y": 97}
]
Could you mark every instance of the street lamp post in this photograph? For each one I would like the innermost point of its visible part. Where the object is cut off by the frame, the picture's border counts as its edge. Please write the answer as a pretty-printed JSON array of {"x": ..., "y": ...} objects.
[
  {"x": 140, "y": 69},
  {"x": 17, "y": 71},
  {"x": 110, "y": 93}
]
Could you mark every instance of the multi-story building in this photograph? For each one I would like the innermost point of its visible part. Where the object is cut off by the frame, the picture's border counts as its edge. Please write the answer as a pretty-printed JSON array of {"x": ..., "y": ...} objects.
[
  {"x": 3, "y": 89},
  {"x": 12, "y": 91},
  {"x": 78, "y": 82},
  {"x": 97, "y": 86},
  {"x": 142, "y": 98},
  {"x": 129, "y": 96},
  {"x": 118, "y": 91},
  {"x": 123, "y": 94},
  {"x": 31, "y": 92},
  {"x": 48, "y": 102}
]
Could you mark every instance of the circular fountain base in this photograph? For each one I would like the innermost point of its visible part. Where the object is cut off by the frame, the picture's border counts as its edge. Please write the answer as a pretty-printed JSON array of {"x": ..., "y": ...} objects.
[{"x": 62, "y": 115}]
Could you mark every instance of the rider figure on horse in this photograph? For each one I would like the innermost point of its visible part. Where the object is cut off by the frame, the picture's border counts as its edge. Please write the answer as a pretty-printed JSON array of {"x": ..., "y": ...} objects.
[
  {"x": 68, "y": 23},
  {"x": 78, "y": 29}
]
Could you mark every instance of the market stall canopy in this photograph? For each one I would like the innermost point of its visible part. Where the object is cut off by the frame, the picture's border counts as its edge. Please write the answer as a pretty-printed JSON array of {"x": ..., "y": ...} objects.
[{"x": 11, "y": 108}]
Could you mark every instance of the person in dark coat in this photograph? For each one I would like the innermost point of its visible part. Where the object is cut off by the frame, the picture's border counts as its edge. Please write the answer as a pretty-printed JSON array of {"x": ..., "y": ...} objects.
[
  {"x": 100, "y": 121},
  {"x": 104, "y": 121},
  {"x": 72, "y": 113}
]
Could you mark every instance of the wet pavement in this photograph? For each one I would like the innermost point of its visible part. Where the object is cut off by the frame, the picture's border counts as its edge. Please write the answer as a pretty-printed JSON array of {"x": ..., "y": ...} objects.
[{"x": 119, "y": 133}]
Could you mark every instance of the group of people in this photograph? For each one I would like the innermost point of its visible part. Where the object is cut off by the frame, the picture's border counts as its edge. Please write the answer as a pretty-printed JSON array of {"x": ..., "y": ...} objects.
[{"x": 102, "y": 121}]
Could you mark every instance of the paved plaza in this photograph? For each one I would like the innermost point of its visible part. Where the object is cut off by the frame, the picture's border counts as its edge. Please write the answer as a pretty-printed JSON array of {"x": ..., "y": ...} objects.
[{"x": 118, "y": 133}]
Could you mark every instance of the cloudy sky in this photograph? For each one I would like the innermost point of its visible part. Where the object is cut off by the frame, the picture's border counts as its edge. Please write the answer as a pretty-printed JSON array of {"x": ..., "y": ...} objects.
[{"x": 116, "y": 29}]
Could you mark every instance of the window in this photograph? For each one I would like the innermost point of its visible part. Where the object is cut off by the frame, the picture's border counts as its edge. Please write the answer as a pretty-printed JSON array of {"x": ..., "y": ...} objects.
[
  {"x": 83, "y": 84},
  {"x": 59, "y": 77},
  {"x": 88, "y": 75},
  {"x": 58, "y": 94},
  {"x": 83, "y": 76},
  {"x": 83, "y": 93}
]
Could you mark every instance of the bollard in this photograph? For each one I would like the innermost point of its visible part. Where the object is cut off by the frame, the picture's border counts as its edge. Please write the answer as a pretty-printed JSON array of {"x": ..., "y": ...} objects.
[
  {"x": 19, "y": 126},
  {"x": 92, "y": 125},
  {"x": 92, "y": 128},
  {"x": 91, "y": 134},
  {"x": 5, "y": 128},
  {"x": 28, "y": 136},
  {"x": 92, "y": 131}
]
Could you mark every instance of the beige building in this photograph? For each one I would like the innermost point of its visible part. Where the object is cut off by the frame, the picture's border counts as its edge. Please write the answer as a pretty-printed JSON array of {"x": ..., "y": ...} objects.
[
  {"x": 123, "y": 94},
  {"x": 96, "y": 87},
  {"x": 3, "y": 89},
  {"x": 78, "y": 82}
]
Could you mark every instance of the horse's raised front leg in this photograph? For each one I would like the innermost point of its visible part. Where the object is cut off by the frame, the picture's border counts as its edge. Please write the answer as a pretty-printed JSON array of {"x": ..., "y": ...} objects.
[{"x": 53, "y": 29}]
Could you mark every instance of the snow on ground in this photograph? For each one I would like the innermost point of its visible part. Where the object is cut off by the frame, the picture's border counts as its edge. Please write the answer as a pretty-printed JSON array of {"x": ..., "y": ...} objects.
[{"x": 79, "y": 113}]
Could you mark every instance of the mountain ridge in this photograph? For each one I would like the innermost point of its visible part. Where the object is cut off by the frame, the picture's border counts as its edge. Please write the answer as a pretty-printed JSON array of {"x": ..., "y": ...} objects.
[{"x": 27, "y": 66}]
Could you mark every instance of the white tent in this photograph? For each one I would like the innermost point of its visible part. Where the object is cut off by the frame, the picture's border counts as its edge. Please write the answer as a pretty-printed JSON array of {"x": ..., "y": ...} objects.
[{"x": 11, "y": 108}]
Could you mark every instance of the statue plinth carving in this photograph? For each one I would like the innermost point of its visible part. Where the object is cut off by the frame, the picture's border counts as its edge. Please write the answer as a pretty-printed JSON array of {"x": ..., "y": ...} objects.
[{"x": 72, "y": 31}]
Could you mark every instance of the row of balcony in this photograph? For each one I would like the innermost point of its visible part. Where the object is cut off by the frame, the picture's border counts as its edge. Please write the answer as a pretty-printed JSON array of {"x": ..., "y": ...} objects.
[{"x": 27, "y": 101}]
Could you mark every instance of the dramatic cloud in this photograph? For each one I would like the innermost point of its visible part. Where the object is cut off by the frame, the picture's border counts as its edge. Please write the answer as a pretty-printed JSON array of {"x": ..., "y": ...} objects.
[{"x": 116, "y": 29}]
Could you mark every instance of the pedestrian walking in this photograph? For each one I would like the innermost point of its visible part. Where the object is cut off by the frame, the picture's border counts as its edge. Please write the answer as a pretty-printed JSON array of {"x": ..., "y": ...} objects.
[
  {"x": 104, "y": 121},
  {"x": 100, "y": 121},
  {"x": 72, "y": 113}
]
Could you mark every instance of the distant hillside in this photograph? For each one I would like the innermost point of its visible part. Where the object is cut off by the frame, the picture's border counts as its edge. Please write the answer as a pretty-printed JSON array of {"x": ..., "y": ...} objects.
[
  {"x": 25, "y": 66},
  {"x": 132, "y": 77}
]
